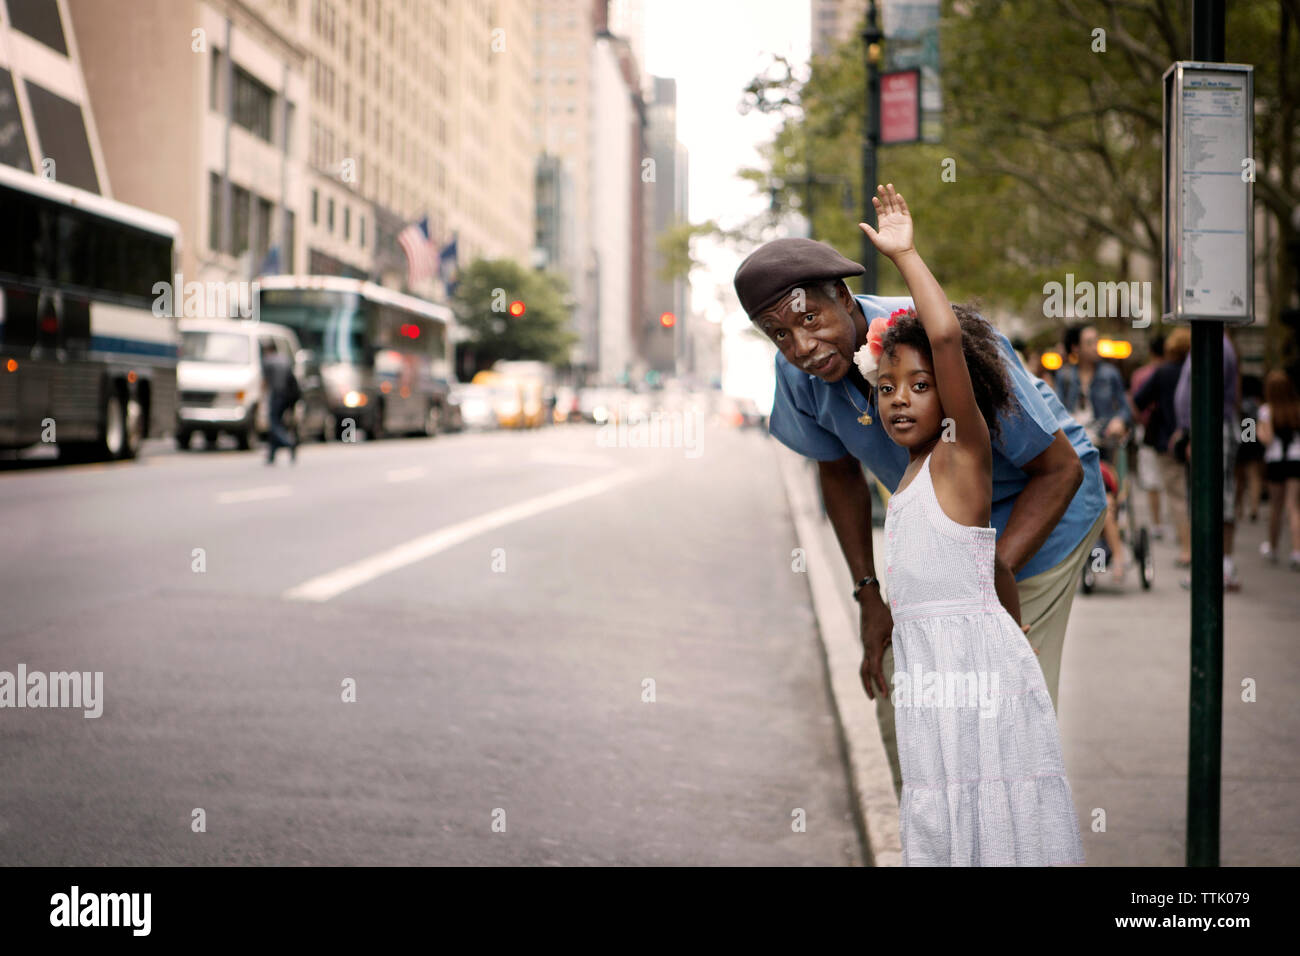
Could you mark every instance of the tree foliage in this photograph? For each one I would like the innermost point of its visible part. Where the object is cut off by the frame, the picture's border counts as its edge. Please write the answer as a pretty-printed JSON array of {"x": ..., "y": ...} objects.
[
  {"x": 1055, "y": 144},
  {"x": 481, "y": 304}
]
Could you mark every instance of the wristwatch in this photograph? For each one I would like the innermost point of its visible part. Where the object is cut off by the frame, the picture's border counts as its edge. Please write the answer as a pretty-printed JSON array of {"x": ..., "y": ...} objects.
[{"x": 857, "y": 588}]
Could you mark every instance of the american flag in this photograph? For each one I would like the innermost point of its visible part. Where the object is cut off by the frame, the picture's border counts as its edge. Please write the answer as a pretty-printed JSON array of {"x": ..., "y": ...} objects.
[{"x": 421, "y": 259}]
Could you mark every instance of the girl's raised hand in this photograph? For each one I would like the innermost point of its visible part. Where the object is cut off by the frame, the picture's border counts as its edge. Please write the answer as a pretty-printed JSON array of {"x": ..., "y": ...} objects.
[{"x": 893, "y": 236}]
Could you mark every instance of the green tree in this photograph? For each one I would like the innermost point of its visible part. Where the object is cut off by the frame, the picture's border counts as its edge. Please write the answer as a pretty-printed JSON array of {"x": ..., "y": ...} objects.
[
  {"x": 1052, "y": 144},
  {"x": 481, "y": 303}
]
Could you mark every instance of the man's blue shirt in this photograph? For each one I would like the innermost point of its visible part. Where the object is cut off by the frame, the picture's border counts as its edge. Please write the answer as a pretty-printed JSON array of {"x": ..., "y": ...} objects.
[
  {"x": 1106, "y": 393},
  {"x": 819, "y": 420}
]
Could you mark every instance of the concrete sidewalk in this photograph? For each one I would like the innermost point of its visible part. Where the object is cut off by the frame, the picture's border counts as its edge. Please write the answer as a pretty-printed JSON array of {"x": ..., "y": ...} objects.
[{"x": 1123, "y": 705}]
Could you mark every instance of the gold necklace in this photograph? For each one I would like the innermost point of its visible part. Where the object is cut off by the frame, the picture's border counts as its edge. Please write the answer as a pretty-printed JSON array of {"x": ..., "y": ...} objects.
[{"x": 865, "y": 417}]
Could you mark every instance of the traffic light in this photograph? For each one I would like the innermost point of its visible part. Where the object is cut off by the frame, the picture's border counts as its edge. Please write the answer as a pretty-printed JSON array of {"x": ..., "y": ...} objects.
[
  {"x": 517, "y": 308},
  {"x": 667, "y": 320}
]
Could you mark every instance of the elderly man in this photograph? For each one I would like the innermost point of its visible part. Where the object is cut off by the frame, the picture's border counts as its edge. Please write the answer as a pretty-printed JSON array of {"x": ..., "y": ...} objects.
[{"x": 1048, "y": 497}]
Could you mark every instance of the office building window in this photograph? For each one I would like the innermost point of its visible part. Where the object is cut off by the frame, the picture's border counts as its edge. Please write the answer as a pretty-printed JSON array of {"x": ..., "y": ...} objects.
[
  {"x": 240, "y": 220},
  {"x": 253, "y": 105},
  {"x": 214, "y": 82},
  {"x": 315, "y": 207},
  {"x": 347, "y": 223},
  {"x": 13, "y": 138},
  {"x": 329, "y": 215},
  {"x": 214, "y": 212},
  {"x": 361, "y": 230},
  {"x": 262, "y": 210},
  {"x": 287, "y": 134},
  {"x": 39, "y": 19},
  {"x": 62, "y": 133},
  {"x": 286, "y": 252}
]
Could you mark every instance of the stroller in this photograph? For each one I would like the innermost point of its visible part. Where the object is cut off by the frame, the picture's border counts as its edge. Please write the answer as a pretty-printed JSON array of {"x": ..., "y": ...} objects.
[{"x": 1115, "y": 454}]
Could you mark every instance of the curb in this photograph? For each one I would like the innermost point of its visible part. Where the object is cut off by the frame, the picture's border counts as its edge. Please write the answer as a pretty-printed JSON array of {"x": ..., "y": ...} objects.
[{"x": 870, "y": 782}]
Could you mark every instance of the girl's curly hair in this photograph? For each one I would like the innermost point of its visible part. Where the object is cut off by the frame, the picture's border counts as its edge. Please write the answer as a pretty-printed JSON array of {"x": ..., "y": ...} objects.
[{"x": 984, "y": 358}]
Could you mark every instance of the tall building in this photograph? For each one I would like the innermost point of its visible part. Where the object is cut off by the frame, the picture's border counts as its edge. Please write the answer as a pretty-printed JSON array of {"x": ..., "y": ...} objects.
[
  {"x": 564, "y": 46},
  {"x": 201, "y": 107},
  {"x": 47, "y": 125},
  {"x": 616, "y": 196},
  {"x": 665, "y": 348},
  {"x": 421, "y": 108},
  {"x": 834, "y": 21},
  {"x": 626, "y": 19},
  {"x": 319, "y": 128}
]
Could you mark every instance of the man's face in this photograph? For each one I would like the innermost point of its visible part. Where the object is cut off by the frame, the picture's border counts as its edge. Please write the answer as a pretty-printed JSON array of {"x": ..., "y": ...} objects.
[
  {"x": 1088, "y": 344},
  {"x": 819, "y": 338},
  {"x": 907, "y": 397}
]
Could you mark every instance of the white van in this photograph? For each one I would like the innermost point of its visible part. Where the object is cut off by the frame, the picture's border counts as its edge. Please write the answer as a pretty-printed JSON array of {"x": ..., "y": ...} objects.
[{"x": 219, "y": 378}]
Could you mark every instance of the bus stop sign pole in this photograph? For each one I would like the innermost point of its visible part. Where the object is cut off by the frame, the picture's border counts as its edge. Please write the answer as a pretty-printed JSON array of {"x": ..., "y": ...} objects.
[
  {"x": 1208, "y": 233},
  {"x": 1205, "y": 727}
]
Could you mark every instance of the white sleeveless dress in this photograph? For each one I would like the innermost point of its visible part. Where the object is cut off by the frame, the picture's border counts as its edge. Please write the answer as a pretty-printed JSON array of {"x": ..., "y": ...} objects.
[{"x": 983, "y": 779}]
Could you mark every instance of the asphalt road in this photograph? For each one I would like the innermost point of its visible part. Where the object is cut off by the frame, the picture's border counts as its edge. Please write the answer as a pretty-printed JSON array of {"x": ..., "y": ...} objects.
[{"x": 499, "y": 601}]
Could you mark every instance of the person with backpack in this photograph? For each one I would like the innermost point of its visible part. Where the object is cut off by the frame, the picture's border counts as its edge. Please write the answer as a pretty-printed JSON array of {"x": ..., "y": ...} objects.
[{"x": 282, "y": 394}]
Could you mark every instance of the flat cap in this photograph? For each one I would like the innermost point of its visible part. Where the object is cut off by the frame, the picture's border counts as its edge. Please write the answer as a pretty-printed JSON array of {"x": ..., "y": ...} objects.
[{"x": 776, "y": 267}]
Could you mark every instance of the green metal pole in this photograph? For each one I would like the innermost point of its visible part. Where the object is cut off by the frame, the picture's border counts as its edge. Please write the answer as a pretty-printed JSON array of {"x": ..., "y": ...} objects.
[
  {"x": 871, "y": 37},
  {"x": 1205, "y": 726}
]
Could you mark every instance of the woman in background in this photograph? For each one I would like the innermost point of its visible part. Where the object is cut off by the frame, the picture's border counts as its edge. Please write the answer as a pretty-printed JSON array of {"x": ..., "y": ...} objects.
[{"x": 1279, "y": 433}]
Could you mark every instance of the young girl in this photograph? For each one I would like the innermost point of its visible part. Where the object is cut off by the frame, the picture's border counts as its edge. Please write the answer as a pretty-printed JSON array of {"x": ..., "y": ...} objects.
[{"x": 983, "y": 779}]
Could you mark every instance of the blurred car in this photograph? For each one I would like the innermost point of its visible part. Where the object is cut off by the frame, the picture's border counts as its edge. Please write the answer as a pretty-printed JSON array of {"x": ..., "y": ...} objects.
[
  {"x": 533, "y": 402},
  {"x": 740, "y": 413},
  {"x": 593, "y": 405},
  {"x": 751, "y": 417},
  {"x": 475, "y": 406},
  {"x": 219, "y": 380}
]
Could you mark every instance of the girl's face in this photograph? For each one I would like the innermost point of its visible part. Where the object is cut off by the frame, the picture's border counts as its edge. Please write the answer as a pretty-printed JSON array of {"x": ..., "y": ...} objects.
[{"x": 907, "y": 397}]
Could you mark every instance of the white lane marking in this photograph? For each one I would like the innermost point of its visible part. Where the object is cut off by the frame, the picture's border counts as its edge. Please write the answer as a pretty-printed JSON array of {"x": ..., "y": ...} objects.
[
  {"x": 254, "y": 494},
  {"x": 405, "y": 474},
  {"x": 334, "y": 583}
]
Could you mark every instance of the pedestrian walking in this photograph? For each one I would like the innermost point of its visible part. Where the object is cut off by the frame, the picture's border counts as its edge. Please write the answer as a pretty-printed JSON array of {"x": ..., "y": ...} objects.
[
  {"x": 1279, "y": 433},
  {"x": 1048, "y": 500},
  {"x": 1148, "y": 464},
  {"x": 1156, "y": 396},
  {"x": 1250, "y": 457},
  {"x": 1093, "y": 392},
  {"x": 282, "y": 393},
  {"x": 983, "y": 776}
]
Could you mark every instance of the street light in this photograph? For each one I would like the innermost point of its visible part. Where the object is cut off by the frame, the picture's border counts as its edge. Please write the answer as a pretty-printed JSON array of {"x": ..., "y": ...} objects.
[{"x": 871, "y": 37}]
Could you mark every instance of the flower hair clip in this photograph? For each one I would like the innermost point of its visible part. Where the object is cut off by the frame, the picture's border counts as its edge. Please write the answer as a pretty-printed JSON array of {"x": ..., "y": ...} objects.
[{"x": 867, "y": 358}]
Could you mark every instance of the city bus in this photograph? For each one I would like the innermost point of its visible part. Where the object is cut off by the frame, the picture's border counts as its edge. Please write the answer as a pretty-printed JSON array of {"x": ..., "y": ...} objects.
[
  {"x": 85, "y": 362},
  {"x": 383, "y": 355}
]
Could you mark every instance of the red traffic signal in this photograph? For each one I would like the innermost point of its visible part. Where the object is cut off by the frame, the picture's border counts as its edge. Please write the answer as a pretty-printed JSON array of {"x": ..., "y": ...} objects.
[
  {"x": 517, "y": 308},
  {"x": 667, "y": 320}
]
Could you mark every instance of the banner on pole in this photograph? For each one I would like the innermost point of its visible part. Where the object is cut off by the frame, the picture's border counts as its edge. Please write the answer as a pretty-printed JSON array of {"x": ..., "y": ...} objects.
[{"x": 900, "y": 107}]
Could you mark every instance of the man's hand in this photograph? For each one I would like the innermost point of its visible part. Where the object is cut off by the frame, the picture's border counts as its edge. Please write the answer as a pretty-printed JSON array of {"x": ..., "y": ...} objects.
[{"x": 877, "y": 628}]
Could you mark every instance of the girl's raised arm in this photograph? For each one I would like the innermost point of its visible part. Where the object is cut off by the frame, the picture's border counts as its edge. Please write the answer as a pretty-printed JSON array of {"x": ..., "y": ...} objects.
[{"x": 894, "y": 239}]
